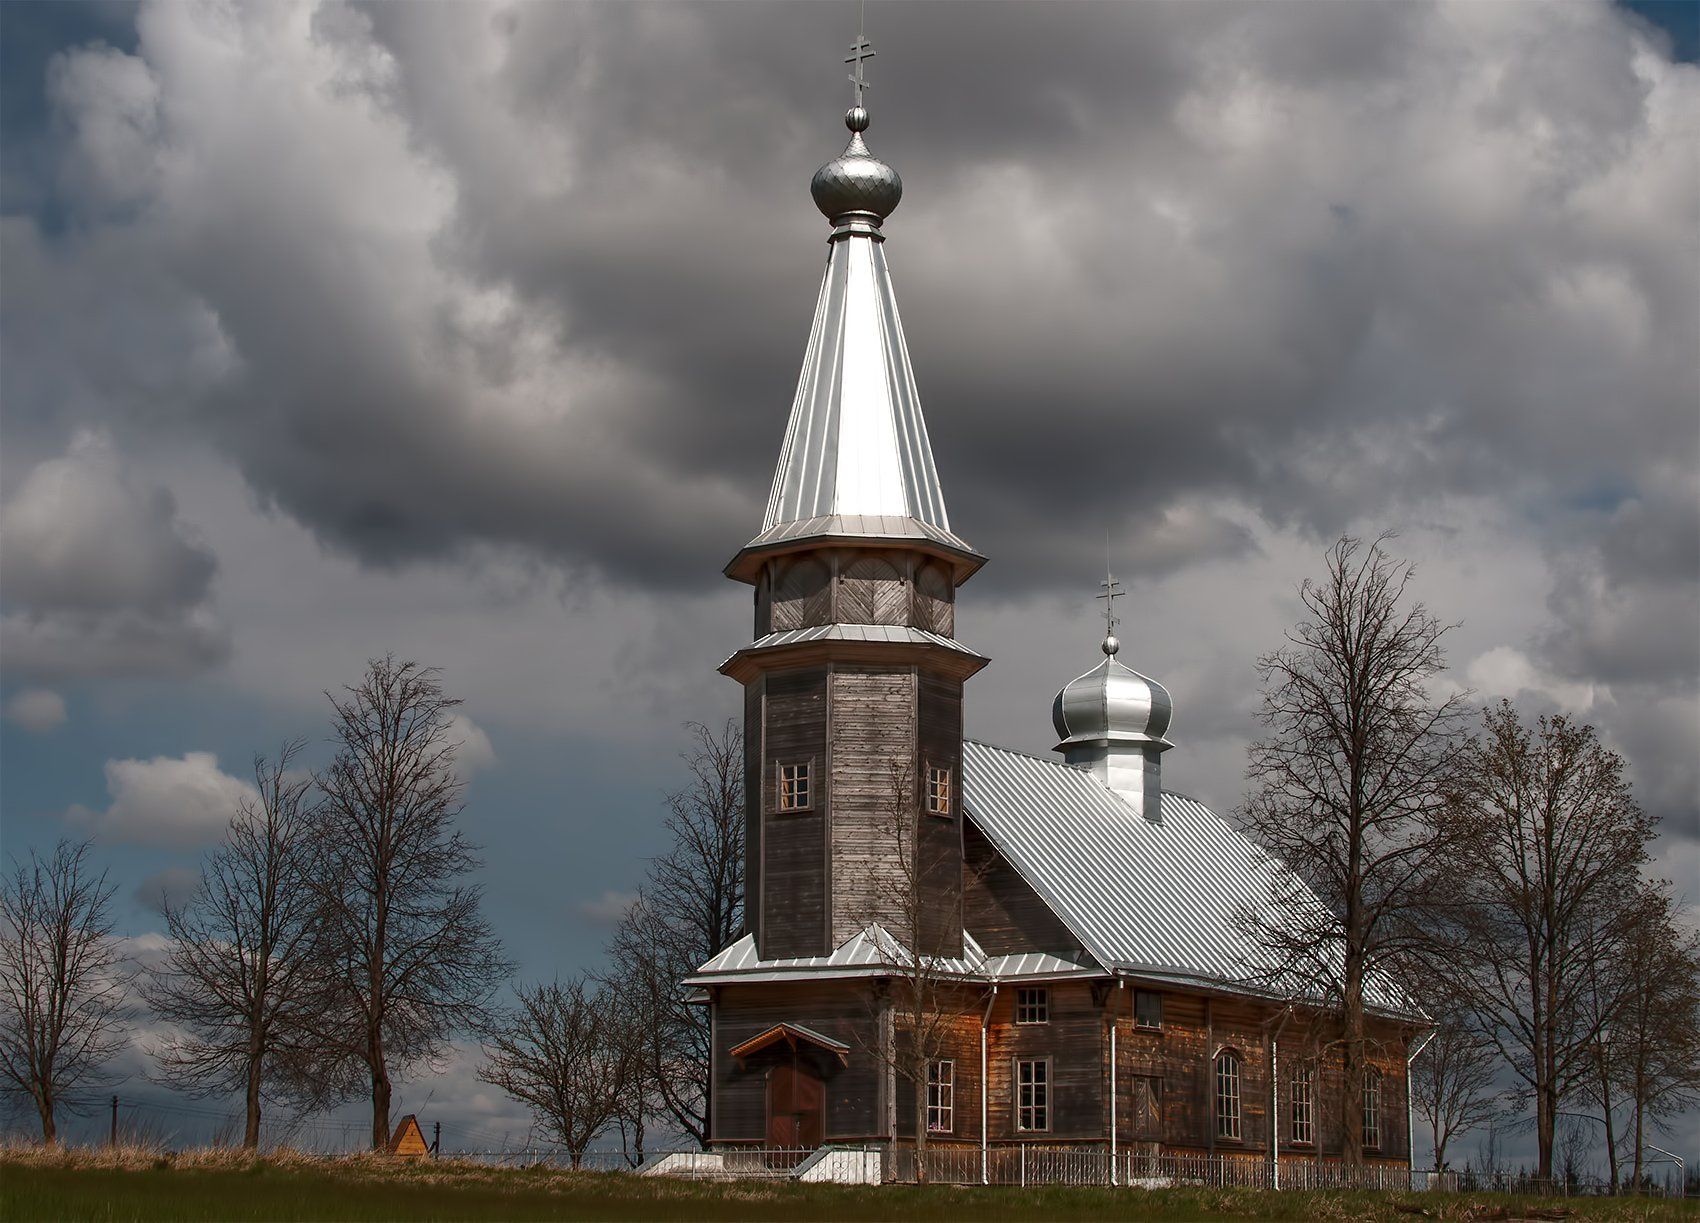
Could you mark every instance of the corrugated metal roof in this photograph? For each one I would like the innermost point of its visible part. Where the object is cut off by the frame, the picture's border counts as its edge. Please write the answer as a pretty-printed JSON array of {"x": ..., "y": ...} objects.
[
  {"x": 873, "y": 952},
  {"x": 1161, "y": 899},
  {"x": 856, "y": 442},
  {"x": 859, "y": 526},
  {"x": 888, "y": 633}
]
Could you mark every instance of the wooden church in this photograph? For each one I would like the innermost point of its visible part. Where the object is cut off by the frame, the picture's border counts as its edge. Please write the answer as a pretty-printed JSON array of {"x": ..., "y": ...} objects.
[{"x": 1103, "y": 991}]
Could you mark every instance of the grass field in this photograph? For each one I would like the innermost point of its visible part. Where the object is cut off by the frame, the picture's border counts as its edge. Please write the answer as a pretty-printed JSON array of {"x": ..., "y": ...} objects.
[{"x": 220, "y": 1186}]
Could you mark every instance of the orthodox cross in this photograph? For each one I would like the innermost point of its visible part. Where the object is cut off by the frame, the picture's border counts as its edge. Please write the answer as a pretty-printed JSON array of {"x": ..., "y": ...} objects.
[
  {"x": 1112, "y": 590},
  {"x": 860, "y": 50}
]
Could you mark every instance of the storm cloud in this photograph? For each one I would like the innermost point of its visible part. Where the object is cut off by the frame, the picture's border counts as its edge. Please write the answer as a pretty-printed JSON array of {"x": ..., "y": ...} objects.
[{"x": 469, "y": 331}]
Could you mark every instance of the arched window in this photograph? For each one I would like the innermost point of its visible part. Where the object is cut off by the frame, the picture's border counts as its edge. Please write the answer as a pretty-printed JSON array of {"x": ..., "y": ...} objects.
[
  {"x": 1228, "y": 1094},
  {"x": 1372, "y": 1107},
  {"x": 1301, "y": 1096}
]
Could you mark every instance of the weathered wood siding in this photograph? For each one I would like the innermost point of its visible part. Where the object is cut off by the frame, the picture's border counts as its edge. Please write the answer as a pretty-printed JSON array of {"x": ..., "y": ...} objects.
[
  {"x": 939, "y": 737},
  {"x": 839, "y": 1009},
  {"x": 1074, "y": 1039},
  {"x": 1004, "y": 915},
  {"x": 873, "y": 753},
  {"x": 961, "y": 1046},
  {"x": 753, "y": 754},
  {"x": 793, "y": 870}
]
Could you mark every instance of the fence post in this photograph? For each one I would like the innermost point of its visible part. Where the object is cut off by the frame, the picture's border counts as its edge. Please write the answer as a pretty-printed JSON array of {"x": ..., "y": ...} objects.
[
  {"x": 114, "y": 1138},
  {"x": 1023, "y": 1165}
]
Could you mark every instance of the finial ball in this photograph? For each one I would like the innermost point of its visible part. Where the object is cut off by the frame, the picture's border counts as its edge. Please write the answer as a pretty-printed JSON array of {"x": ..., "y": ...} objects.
[
  {"x": 1111, "y": 645},
  {"x": 856, "y": 119}
]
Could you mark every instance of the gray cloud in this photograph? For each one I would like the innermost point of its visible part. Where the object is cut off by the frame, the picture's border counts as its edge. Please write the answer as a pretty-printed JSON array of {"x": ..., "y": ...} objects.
[
  {"x": 99, "y": 574},
  {"x": 37, "y": 710},
  {"x": 540, "y": 274}
]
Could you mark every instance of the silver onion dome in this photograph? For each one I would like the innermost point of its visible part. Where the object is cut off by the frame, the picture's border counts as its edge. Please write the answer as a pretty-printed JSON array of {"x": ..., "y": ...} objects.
[
  {"x": 856, "y": 185},
  {"x": 1112, "y": 703}
]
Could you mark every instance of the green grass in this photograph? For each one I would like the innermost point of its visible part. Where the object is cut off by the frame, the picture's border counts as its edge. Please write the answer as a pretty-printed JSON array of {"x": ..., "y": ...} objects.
[{"x": 232, "y": 1189}]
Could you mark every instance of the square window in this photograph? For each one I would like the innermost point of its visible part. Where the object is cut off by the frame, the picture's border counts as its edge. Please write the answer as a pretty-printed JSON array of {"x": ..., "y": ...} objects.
[
  {"x": 941, "y": 1092},
  {"x": 938, "y": 790},
  {"x": 794, "y": 790},
  {"x": 1033, "y": 1005},
  {"x": 1147, "y": 1009},
  {"x": 1033, "y": 1095}
]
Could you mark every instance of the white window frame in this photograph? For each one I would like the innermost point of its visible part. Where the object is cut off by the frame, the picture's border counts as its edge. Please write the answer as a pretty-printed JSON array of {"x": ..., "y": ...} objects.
[
  {"x": 1033, "y": 1080},
  {"x": 787, "y": 774},
  {"x": 939, "y": 790},
  {"x": 941, "y": 1096},
  {"x": 1229, "y": 1114},
  {"x": 1032, "y": 1004},
  {"x": 1372, "y": 1109},
  {"x": 1301, "y": 1105}
]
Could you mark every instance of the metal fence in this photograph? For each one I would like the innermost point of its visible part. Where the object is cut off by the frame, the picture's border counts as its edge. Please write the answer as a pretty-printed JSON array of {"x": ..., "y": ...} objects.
[{"x": 1032, "y": 1164}]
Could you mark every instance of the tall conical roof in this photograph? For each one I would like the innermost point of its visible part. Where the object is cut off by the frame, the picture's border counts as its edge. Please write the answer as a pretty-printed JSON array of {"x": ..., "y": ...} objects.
[{"x": 856, "y": 459}]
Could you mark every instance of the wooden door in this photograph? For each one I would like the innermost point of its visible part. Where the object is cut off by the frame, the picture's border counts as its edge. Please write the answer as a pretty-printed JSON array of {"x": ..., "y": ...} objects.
[{"x": 796, "y": 1104}]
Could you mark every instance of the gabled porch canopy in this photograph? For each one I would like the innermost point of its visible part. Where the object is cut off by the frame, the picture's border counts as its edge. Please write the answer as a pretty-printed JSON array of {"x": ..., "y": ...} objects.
[{"x": 793, "y": 1036}]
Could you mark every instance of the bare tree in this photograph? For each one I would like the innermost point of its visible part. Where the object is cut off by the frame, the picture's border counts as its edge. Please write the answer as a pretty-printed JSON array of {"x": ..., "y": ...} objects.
[
  {"x": 62, "y": 981},
  {"x": 690, "y": 908},
  {"x": 239, "y": 980},
  {"x": 1346, "y": 788},
  {"x": 410, "y": 958},
  {"x": 1654, "y": 1046},
  {"x": 914, "y": 1008},
  {"x": 1453, "y": 1080},
  {"x": 1554, "y": 842},
  {"x": 558, "y": 1054}
]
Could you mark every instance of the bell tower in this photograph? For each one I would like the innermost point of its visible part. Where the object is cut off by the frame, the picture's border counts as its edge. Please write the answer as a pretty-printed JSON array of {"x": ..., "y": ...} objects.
[{"x": 853, "y": 681}]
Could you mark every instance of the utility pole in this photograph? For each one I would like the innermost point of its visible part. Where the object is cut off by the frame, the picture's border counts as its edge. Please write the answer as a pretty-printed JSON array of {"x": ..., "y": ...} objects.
[
  {"x": 436, "y": 1140},
  {"x": 114, "y": 1138}
]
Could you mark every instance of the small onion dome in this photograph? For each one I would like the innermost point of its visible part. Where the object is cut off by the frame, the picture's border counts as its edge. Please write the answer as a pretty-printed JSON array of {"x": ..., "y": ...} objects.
[
  {"x": 1112, "y": 703},
  {"x": 856, "y": 183}
]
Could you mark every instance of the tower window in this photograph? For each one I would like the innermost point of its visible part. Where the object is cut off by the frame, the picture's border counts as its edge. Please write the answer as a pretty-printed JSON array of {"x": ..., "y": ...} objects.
[
  {"x": 938, "y": 790},
  {"x": 1033, "y": 1094},
  {"x": 941, "y": 1092},
  {"x": 1033, "y": 1005},
  {"x": 796, "y": 793},
  {"x": 1147, "y": 1009},
  {"x": 1228, "y": 1094}
]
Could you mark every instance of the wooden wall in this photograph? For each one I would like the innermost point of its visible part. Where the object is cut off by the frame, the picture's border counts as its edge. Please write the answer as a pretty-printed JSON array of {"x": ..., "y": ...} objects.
[
  {"x": 873, "y": 749},
  {"x": 793, "y": 870},
  {"x": 1004, "y": 915},
  {"x": 939, "y": 742},
  {"x": 1076, "y": 1040},
  {"x": 841, "y": 1010}
]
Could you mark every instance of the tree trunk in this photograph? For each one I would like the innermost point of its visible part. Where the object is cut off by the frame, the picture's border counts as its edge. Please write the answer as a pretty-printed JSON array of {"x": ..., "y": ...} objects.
[
  {"x": 251, "y": 1132},
  {"x": 380, "y": 1104},
  {"x": 921, "y": 1125},
  {"x": 1611, "y": 1130},
  {"x": 1352, "y": 1083},
  {"x": 49, "y": 1129}
]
